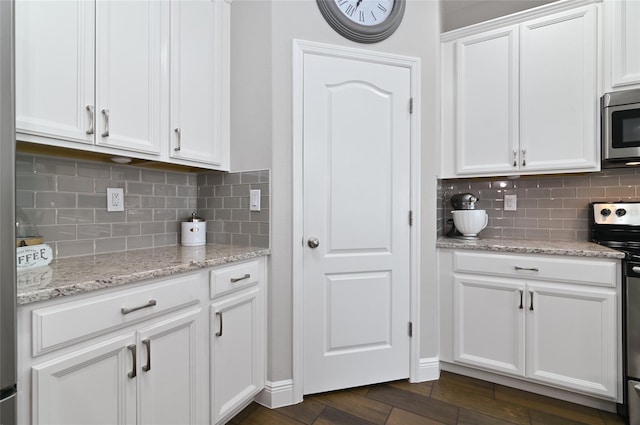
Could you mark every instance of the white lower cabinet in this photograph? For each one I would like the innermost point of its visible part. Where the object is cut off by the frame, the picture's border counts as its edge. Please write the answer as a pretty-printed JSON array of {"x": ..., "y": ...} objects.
[
  {"x": 149, "y": 373},
  {"x": 519, "y": 316},
  {"x": 237, "y": 335},
  {"x": 149, "y": 354}
]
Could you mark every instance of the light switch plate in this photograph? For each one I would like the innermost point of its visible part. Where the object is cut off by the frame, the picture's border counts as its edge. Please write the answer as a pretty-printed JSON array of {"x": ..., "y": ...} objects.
[
  {"x": 510, "y": 202},
  {"x": 115, "y": 199},
  {"x": 254, "y": 200}
]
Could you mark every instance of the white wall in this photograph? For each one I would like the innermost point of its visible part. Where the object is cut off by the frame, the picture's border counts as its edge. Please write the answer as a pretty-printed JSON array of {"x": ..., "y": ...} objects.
[{"x": 417, "y": 36}]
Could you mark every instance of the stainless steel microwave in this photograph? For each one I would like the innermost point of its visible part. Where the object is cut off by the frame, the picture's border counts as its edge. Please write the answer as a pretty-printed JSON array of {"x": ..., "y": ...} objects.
[{"x": 620, "y": 128}]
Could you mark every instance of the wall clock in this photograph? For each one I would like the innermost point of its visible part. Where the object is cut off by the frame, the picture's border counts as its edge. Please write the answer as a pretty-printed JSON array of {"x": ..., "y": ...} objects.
[{"x": 364, "y": 21}]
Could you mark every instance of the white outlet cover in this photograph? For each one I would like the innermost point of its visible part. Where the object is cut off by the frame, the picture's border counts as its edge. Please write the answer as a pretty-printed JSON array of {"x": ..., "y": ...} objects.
[
  {"x": 510, "y": 202},
  {"x": 115, "y": 199}
]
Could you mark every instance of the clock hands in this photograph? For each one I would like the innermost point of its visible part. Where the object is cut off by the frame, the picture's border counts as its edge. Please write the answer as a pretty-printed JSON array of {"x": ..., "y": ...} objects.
[{"x": 358, "y": 4}]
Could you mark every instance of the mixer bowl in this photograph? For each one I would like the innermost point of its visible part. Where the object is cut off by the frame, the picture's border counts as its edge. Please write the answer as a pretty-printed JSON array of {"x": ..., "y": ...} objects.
[{"x": 470, "y": 222}]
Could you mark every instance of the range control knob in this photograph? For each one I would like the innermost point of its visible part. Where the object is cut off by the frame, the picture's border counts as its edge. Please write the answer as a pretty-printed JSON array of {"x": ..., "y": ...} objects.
[
  {"x": 620, "y": 212},
  {"x": 606, "y": 212}
]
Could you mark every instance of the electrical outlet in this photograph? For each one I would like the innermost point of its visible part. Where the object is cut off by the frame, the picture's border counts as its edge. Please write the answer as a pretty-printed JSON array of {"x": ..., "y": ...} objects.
[
  {"x": 115, "y": 199},
  {"x": 510, "y": 202}
]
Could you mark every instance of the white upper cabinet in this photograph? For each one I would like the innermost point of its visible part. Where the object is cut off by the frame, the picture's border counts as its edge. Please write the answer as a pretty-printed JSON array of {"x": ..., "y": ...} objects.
[
  {"x": 129, "y": 75},
  {"x": 520, "y": 94},
  {"x": 198, "y": 73},
  {"x": 558, "y": 92},
  {"x": 55, "y": 69},
  {"x": 622, "y": 32},
  {"x": 487, "y": 101},
  {"x": 141, "y": 78}
]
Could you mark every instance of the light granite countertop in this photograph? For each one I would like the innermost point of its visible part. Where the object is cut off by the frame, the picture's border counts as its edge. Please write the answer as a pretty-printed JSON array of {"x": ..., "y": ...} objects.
[
  {"x": 574, "y": 248},
  {"x": 75, "y": 275}
]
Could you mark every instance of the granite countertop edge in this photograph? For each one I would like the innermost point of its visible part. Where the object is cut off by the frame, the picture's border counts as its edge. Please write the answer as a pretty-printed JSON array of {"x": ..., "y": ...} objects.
[
  {"x": 572, "y": 248},
  {"x": 77, "y": 275}
]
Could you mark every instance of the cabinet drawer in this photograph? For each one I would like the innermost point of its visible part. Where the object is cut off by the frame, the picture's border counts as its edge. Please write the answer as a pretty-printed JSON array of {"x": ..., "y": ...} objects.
[
  {"x": 229, "y": 279},
  {"x": 68, "y": 323},
  {"x": 590, "y": 271}
]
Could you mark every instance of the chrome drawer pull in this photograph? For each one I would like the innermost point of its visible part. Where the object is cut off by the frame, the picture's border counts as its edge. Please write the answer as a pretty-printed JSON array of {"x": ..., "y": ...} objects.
[
  {"x": 521, "y": 293},
  {"x": 238, "y": 279},
  {"x": 147, "y": 344},
  {"x": 219, "y": 314},
  {"x": 132, "y": 348},
  {"x": 126, "y": 310},
  {"x": 105, "y": 114},
  {"x": 531, "y": 269},
  {"x": 89, "y": 108},
  {"x": 178, "y": 141}
]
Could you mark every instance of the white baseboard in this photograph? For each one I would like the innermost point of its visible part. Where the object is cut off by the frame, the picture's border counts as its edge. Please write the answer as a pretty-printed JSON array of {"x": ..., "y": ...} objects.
[
  {"x": 428, "y": 370},
  {"x": 276, "y": 394}
]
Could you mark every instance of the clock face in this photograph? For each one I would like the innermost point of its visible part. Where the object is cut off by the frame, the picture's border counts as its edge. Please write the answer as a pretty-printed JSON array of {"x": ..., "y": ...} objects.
[
  {"x": 366, "y": 12},
  {"x": 363, "y": 21}
]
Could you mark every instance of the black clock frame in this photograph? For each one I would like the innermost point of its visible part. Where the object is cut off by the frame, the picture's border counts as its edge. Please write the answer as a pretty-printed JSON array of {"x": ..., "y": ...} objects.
[{"x": 361, "y": 33}]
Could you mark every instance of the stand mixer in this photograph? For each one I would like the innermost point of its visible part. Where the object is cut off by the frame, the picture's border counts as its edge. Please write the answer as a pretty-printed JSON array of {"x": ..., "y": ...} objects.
[{"x": 462, "y": 202}]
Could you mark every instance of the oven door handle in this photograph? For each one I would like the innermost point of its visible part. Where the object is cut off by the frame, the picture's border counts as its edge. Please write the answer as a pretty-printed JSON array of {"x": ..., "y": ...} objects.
[{"x": 635, "y": 269}]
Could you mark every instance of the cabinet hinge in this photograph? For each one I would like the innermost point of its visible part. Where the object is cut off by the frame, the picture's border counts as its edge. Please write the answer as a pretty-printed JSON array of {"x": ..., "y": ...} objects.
[
  {"x": 410, "y": 218},
  {"x": 411, "y": 105},
  {"x": 410, "y": 329}
]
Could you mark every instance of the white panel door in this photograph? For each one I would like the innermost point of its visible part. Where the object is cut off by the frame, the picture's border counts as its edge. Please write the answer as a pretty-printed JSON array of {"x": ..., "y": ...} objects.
[
  {"x": 237, "y": 364},
  {"x": 488, "y": 323},
  {"x": 356, "y": 203},
  {"x": 559, "y": 98},
  {"x": 571, "y": 339},
  {"x": 91, "y": 386},
  {"x": 197, "y": 126},
  {"x": 625, "y": 42},
  {"x": 55, "y": 69},
  {"x": 129, "y": 74},
  {"x": 487, "y": 117},
  {"x": 167, "y": 371}
]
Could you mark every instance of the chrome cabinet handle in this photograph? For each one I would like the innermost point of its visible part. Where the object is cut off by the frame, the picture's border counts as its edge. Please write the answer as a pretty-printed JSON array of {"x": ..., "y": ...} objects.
[
  {"x": 147, "y": 344},
  {"x": 126, "y": 310},
  {"x": 132, "y": 349},
  {"x": 238, "y": 279},
  {"x": 89, "y": 109},
  {"x": 105, "y": 114},
  {"x": 515, "y": 158},
  {"x": 531, "y": 300},
  {"x": 521, "y": 294},
  {"x": 313, "y": 242},
  {"x": 219, "y": 316},
  {"x": 531, "y": 269},
  {"x": 524, "y": 157},
  {"x": 178, "y": 141}
]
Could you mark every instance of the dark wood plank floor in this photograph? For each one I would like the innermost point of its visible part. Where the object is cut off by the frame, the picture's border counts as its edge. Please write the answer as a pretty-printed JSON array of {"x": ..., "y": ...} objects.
[{"x": 453, "y": 399}]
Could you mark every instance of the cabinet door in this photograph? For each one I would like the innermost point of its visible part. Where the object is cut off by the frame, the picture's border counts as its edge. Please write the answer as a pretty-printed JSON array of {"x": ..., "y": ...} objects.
[
  {"x": 559, "y": 99},
  {"x": 624, "y": 34},
  {"x": 237, "y": 350},
  {"x": 91, "y": 386},
  {"x": 54, "y": 69},
  {"x": 199, "y": 82},
  {"x": 488, "y": 323},
  {"x": 129, "y": 75},
  {"x": 487, "y": 102},
  {"x": 571, "y": 338},
  {"x": 168, "y": 354}
]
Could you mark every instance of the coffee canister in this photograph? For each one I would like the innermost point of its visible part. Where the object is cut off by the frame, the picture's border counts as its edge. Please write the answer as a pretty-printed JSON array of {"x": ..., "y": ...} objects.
[{"x": 194, "y": 231}]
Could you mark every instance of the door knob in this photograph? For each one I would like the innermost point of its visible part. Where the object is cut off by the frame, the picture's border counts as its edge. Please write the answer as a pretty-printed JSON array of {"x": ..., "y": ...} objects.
[{"x": 313, "y": 242}]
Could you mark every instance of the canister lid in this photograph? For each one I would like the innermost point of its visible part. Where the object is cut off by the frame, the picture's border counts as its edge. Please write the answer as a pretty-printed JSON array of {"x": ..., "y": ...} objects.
[{"x": 194, "y": 217}]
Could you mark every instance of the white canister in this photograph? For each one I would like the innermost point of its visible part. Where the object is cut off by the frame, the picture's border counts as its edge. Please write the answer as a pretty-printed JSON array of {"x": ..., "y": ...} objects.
[{"x": 194, "y": 231}]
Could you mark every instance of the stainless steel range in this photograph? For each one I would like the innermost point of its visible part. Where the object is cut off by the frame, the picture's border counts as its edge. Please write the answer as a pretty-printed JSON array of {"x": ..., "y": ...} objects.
[{"x": 617, "y": 225}]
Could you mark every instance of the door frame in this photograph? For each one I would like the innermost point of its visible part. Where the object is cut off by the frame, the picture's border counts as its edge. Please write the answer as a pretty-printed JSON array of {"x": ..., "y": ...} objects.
[{"x": 302, "y": 48}]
